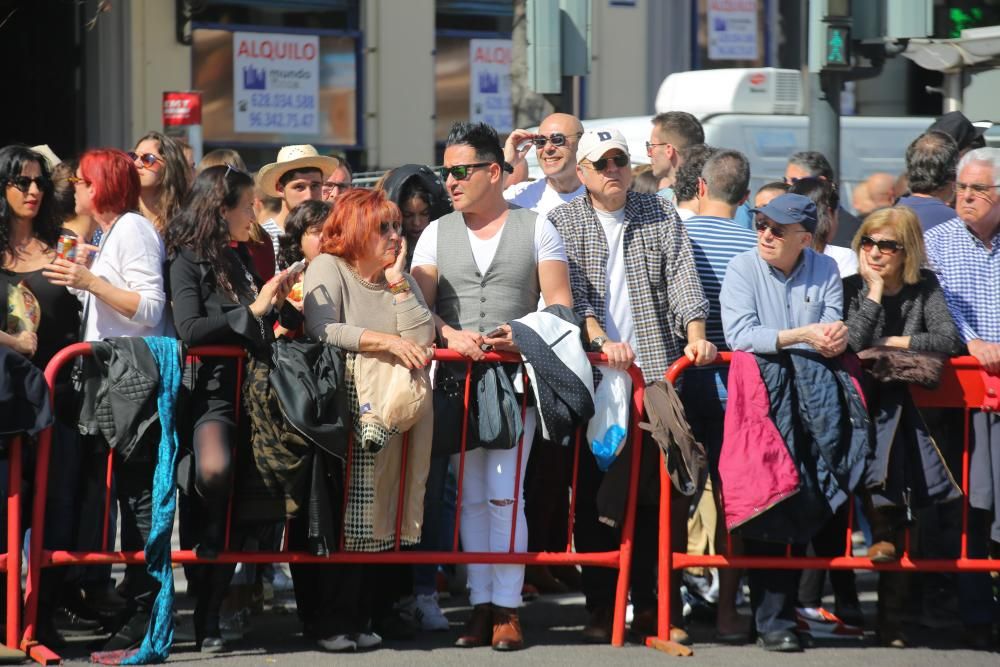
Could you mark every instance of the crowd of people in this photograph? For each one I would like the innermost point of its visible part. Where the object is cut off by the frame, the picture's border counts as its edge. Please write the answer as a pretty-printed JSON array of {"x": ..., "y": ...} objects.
[{"x": 354, "y": 287}]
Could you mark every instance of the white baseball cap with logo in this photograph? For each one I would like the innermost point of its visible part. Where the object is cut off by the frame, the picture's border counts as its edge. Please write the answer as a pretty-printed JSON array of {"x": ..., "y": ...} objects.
[{"x": 595, "y": 143}]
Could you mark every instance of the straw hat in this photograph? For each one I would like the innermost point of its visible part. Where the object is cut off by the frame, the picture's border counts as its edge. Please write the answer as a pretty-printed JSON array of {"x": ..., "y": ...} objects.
[{"x": 292, "y": 158}]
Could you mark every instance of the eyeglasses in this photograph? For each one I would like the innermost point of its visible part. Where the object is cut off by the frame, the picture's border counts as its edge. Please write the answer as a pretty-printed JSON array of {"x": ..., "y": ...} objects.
[
  {"x": 23, "y": 183},
  {"x": 385, "y": 227},
  {"x": 885, "y": 246},
  {"x": 977, "y": 189},
  {"x": 650, "y": 146},
  {"x": 556, "y": 139},
  {"x": 147, "y": 159},
  {"x": 777, "y": 231},
  {"x": 602, "y": 164},
  {"x": 330, "y": 186},
  {"x": 460, "y": 172}
]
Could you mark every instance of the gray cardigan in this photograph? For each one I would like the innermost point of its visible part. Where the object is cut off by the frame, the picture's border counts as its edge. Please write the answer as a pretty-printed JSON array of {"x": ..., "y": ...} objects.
[{"x": 926, "y": 318}]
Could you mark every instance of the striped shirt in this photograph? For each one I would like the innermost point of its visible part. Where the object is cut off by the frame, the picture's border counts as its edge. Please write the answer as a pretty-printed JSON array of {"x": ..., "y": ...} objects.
[
  {"x": 274, "y": 231},
  {"x": 969, "y": 274},
  {"x": 715, "y": 241}
]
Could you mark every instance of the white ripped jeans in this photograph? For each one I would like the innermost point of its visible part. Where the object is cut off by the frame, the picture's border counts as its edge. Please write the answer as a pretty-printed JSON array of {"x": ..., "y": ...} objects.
[{"x": 487, "y": 510}]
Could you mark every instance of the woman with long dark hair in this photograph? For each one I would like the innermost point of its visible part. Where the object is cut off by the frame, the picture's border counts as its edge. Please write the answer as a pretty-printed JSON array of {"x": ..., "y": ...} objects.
[
  {"x": 217, "y": 300},
  {"x": 164, "y": 174}
]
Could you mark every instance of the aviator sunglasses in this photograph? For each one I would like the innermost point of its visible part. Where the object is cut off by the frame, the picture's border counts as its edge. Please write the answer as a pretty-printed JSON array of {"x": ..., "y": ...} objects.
[
  {"x": 148, "y": 160},
  {"x": 600, "y": 165},
  {"x": 556, "y": 139},
  {"x": 885, "y": 246},
  {"x": 777, "y": 231}
]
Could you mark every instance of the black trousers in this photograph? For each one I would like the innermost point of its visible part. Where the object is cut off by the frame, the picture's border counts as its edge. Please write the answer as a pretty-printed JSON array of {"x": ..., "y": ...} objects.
[
  {"x": 134, "y": 481},
  {"x": 772, "y": 592}
]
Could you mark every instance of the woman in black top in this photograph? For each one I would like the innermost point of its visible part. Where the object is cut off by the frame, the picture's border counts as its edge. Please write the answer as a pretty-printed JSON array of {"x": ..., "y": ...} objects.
[
  {"x": 29, "y": 230},
  {"x": 895, "y": 303},
  {"x": 217, "y": 299}
]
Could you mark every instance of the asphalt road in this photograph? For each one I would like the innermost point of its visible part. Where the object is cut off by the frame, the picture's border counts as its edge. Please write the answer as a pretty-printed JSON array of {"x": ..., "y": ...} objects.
[{"x": 552, "y": 625}]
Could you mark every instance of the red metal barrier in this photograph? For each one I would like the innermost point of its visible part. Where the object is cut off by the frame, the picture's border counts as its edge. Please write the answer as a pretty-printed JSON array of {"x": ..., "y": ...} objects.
[
  {"x": 963, "y": 385},
  {"x": 10, "y": 562},
  {"x": 620, "y": 558}
]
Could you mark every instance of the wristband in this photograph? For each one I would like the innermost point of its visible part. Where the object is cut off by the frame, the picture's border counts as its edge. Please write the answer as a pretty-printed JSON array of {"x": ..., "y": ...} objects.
[{"x": 400, "y": 286}]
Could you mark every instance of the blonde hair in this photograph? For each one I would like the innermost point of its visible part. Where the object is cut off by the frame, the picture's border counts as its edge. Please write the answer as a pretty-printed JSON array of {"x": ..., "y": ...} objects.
[{"x": 903, "y": 222}]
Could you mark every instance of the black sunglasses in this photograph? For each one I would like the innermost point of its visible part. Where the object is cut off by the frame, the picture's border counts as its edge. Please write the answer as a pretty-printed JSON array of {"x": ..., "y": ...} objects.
[
  {"x": 556, "y": 139},
  {"x": 602, "y": 164},
  {"x": 460, "y": 172},
  {"x": 147, "y": 159},
  {"x": 777, "y": 231},
  {"x": 23, "y": 183},
  {"x": 885, "y": 246}
]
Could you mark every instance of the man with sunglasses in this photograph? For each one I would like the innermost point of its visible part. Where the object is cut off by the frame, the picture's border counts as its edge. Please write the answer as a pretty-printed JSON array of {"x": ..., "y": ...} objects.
[
  {"x": 635, "y": 286},
  {"x": 555, "y": 146},
  {"x": 776, "y": 296},
  {"x": 478, "y": 268},
  {"x": 965, "y": 253}
]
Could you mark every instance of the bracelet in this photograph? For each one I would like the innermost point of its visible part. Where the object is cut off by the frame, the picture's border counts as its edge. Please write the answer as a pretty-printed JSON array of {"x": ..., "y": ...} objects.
[{"x": 400, "y": 286}]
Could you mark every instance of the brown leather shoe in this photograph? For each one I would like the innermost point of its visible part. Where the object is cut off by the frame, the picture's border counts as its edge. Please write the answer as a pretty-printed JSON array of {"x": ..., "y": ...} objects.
[
  {"x": 478, "y": 629},
  {"x": 507, "y": 635},
  {"x": 882, "y": 552},
  {"x": 598, "y": 628},
  {"x": 644, "y": 625}
]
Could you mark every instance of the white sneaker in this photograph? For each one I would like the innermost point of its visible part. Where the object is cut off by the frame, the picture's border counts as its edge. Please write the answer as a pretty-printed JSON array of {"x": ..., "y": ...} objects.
[
  {"x": 428, "y": 614},
  {"x": 338, "y": 643},
  {"x": 366, "y": 640}
]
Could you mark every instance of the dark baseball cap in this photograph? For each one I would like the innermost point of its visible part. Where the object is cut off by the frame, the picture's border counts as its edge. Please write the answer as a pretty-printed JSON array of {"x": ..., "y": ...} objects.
[
  {"x": 788, "y": 209},
  {"x": 959, "y": 128}
]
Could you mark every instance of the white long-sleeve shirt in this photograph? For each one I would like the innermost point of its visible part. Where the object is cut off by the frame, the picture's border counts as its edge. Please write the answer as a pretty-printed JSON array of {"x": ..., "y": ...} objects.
[{"x": 131, "y": 257}]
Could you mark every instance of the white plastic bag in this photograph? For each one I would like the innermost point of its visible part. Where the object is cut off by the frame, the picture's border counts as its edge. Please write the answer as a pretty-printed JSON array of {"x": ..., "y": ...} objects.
[{"x": 608, "y": 427}]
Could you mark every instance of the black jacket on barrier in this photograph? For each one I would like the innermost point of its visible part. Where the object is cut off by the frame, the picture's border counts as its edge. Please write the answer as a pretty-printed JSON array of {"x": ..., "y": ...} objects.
[
  {"x": 119, "y": 396},
  {"x": 24, "y": 396}
]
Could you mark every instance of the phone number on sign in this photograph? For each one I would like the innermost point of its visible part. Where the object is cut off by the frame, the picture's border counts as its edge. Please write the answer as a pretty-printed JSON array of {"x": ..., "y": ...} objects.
[
  {"x": 281, "y": 120},
  {"x": 282, "y": 101}
]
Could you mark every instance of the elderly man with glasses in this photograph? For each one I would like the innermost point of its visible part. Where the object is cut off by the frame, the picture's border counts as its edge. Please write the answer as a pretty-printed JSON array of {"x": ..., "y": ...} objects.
[
  {"x": 780, "y": 295},
  {"x": 636, "y": 288},
  {"x": 965, "y": 252}
]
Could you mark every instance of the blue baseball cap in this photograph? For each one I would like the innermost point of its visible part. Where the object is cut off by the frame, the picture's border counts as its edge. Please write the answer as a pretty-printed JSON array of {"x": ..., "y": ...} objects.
[{"x": 787, "y": 209}]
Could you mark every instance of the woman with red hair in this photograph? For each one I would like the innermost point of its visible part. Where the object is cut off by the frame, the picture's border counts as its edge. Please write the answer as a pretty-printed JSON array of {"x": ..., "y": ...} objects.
[
  {"x": 358, "y": 298},
  {"x": 122, "y": 291},
  {"x": 123, "y": 295}
]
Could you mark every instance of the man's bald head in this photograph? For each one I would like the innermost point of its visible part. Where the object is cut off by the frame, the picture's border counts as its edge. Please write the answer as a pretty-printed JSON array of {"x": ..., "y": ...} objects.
[
  {"x": 881, "y": 189},
  {"x": 861, "y": 199},
  {"x": 559, "y": 162}
]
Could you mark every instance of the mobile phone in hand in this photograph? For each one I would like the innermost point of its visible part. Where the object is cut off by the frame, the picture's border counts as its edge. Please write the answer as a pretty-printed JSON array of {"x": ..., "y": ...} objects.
[
  {"x": 496, "y": 333},
  {"x": 297, "y": 267}
]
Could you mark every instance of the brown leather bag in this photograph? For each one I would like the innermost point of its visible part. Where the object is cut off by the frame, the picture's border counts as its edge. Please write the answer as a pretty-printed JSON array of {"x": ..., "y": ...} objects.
[{"x": 893, "y": 364}]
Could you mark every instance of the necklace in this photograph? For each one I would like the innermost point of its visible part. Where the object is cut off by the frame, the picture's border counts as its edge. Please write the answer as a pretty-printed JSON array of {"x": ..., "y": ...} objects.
[
  {"x": 256, "y": 293},
  {"x": 367, "y": 283}
]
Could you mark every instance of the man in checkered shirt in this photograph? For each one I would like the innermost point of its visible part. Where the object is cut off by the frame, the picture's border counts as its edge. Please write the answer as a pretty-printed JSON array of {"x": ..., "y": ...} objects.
[
  {"x": 965, "y": 253},
  {"x": 635, "y": 285}
]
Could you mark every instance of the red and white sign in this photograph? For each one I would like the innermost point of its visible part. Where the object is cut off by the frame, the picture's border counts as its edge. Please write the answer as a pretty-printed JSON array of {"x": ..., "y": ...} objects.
[{"x": 181, "y": 109}]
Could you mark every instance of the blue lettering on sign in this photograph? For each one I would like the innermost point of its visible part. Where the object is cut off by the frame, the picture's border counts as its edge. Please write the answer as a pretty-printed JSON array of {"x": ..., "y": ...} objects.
[
  {"x": 253, "y": 78},
  {"x": 489, "y": 83}
]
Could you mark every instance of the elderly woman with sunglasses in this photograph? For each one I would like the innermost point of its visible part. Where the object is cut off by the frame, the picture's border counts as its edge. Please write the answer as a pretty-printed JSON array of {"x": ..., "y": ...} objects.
[
  {"x": 894, "y": 302},
  {"x": 165, "y": 176}
]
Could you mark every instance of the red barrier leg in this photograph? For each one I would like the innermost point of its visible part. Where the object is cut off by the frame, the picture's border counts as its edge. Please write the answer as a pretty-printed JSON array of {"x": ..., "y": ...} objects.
[
  {"x": 37, "y": 557},
  {"x": 14, "y": 542}
]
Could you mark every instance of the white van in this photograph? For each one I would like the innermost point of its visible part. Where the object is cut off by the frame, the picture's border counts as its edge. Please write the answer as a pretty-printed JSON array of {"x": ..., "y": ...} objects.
[{"x": 759, "y": 112}]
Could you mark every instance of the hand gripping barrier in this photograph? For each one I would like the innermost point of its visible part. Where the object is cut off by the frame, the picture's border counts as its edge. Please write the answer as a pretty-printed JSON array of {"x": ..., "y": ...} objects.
[
  {"x": 964, "y": 385},
  {"x": 620, "y": 558}
]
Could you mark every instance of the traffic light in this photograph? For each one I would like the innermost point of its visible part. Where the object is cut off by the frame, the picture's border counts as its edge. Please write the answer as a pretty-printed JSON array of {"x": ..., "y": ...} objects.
[{"x": 838, "y": 47}]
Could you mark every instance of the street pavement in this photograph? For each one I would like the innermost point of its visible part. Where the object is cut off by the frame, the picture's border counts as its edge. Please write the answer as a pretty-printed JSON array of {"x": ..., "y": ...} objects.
[{"x": 552, "y": 625}]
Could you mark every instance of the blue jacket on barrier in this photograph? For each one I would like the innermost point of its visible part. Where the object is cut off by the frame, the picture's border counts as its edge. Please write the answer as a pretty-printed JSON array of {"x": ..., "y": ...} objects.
[{"x": 818, "y": 409}]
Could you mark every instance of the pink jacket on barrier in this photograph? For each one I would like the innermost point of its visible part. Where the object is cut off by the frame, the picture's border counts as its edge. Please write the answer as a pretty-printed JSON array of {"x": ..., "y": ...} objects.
[{"x": 756, "y": 469}]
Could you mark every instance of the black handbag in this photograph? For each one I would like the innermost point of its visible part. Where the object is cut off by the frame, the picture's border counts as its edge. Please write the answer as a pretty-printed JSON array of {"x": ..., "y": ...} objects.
[{"x": 449, "y": 393}]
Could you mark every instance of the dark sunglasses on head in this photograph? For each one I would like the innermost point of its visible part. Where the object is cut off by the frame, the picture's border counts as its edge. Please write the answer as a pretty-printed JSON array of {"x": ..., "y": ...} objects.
[
  {"x": 147, "y": 159},
  {"x": 777, "y": 231},
  {"x": 556, "y": 139},
  {"x": 885, "y": 246},
  {"x": 23, "y": 183},
  {"x": 602, "y": 164},
  {"x": 460, "y": 172}
]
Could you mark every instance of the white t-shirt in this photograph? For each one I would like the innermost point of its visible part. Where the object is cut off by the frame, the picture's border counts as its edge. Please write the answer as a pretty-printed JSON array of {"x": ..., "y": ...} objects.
[
  {"x": 685, "y": 213},
  {"x": 131, "y": 256},
  {"x": 847, "y": 259},
  {"x": 618, "y": 322},
  {"x": 539, "y": 196},
  {"x": 548, "y": 245}
]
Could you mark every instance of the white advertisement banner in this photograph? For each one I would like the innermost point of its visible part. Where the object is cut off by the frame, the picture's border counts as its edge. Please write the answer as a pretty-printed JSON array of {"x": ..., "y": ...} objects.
[
  {"x": 275, "y": 83},
  {"x": 489, "y": 80},
  {"x": 732, "y": 29}
]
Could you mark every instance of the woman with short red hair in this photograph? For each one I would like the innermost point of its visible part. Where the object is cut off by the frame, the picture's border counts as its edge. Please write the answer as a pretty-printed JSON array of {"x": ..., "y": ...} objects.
[
  {"x": 122, "y": 290},
  {"x": 358, "y": 297}
]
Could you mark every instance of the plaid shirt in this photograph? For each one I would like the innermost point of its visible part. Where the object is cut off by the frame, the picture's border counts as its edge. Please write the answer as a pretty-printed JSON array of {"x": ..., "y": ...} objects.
[{"x": 662, "y": 282}]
